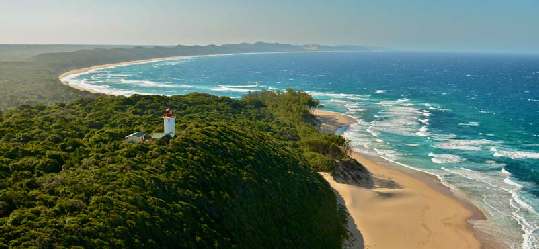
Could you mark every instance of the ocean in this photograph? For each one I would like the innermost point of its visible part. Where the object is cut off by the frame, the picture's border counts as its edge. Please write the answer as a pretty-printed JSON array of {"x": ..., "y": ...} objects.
[{"x": 470, "y": 119}]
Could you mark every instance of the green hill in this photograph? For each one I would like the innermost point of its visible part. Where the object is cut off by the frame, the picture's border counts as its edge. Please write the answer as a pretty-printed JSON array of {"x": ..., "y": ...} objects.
[{"x": 238, "y": 174}]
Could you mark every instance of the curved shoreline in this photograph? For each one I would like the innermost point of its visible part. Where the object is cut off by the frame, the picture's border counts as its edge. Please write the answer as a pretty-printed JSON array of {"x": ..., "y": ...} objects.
[
  {"x": 65, "y": 77},
  {"x": 448, "y": 214},
  {"x": 428, "y": 179}
]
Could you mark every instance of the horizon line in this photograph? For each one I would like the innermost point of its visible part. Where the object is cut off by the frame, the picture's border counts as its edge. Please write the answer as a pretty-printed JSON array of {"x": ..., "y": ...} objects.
[{"x": 384, "y": 49}]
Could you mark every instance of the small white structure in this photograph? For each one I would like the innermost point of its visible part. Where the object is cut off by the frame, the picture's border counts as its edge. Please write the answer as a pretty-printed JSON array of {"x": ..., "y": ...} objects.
[
  {"x": 169, "y": 122},
  {"x": 137, "y": 137}
]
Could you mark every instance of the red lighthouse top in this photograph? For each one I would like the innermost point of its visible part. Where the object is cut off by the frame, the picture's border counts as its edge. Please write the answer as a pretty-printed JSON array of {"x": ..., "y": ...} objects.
[{"x": 168, "y": 113}]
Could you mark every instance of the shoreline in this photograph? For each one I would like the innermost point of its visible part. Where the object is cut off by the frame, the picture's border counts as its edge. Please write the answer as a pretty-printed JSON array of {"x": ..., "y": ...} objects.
[
  {"x": 474, "y": 238},
  {"x": 422, "y": 213},
  {"x": 66, "y": 76}
]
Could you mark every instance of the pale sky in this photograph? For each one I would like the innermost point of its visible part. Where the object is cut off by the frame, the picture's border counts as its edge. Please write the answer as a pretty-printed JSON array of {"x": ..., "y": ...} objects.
[{"x": 460, "y": 25}]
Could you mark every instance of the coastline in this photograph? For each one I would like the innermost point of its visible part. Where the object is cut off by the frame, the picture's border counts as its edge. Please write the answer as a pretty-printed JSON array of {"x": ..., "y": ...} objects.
[
  {"x": 376, "y": 233},
  {"x": 421, "y": 213},
  {"x": 65, "y": 77}
]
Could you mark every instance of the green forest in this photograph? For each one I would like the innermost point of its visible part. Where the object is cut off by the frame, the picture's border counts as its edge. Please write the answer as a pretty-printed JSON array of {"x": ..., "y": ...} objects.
[{"x": 240, "y": 173}]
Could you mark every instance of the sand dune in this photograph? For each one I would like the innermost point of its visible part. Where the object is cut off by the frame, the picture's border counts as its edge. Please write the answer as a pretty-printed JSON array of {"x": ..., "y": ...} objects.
[
  {"x": 415, "y": 216},
  {"x": 421, "y": 213}
]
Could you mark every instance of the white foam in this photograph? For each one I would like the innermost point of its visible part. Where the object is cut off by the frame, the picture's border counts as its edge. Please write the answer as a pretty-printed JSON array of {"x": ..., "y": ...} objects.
[
  {"x": 184, "y": 86},
  {"x": 224, "y": 88},
  {"x": 105, "y": 89},
  {"x": 371, "y": 131},
  {"x": 443, "y": 137},
  {"x": 338, "y": 95},
  {"x": 435, "y": 107},
  {"x": 401, "y": 117},
  {"x": 118, "y": 75},
  {"x": 515, "y": 205},
  {"x": 461, "y": 144},
  {"x": 388, "y": 154},
  {"x": 445, "y": 158},
  {"x": 423, "y": 121},
  {"x": 528, "y": 239},
  {"x": 364, "y": 138},
  {"x": 514, "y": 154},
  {"x": 471, "y": 123},
  {"x": 403, "y": 101},
  {"x": 146, "y": 83},
  {"x": 338, "y": 101},
  {"x": 364, "y": 143},
  {"x": 380, "y": 91},
  {"x": 423, "y": 132},
  {"x": 170, "y": 63},
  {"x": 242, "y": 86},
  {"x": 70, "y": 79},
  {"x": 353, "y": 107}
]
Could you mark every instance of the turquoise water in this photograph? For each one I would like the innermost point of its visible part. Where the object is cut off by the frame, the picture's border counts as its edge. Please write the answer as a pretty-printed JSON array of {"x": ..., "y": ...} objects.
[{"x": 470, "y": 119}]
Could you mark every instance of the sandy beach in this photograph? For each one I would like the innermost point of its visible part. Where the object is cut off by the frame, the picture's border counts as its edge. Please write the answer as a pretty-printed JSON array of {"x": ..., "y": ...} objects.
[
  {"x": 65, "y": 77},
  {"x": 420, "y": 213}
]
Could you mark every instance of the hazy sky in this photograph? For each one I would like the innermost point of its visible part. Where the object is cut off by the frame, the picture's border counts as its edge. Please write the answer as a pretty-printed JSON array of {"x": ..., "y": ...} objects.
[{"x": 479, "y": 25}]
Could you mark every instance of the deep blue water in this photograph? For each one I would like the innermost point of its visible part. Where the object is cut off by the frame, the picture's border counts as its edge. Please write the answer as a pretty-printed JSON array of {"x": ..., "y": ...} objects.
[{"x": 470, "y": 119}]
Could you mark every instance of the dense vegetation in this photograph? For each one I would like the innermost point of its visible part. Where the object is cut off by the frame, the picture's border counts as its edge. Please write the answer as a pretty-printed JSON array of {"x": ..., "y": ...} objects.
[
  {"x": 34, "y": 80},
  {"x": 29, "y": 73},
  {"x": 239, "y": 174},
  {"x": 320, "y": 149}
]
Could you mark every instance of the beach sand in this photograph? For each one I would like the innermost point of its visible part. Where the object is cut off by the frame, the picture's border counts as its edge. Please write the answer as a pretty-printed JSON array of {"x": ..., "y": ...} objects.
[
  {"x": 64, "y": 78},
  {"x": 331, "y": 121},
  {"x": 421, "y": 213}
]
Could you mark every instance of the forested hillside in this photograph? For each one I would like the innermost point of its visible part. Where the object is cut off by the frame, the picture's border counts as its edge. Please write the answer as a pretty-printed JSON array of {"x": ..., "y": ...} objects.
[{"x": 238, "y": 174}]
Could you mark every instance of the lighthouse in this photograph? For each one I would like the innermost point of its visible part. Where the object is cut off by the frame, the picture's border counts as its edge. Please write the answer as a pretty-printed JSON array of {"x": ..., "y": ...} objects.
[{"x": 169, "y": 123}]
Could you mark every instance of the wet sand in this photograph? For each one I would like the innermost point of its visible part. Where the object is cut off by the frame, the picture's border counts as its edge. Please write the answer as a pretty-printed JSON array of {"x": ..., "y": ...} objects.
[
  {"x": 420, "y": 213},
  {"x": 64, "y": 78}
]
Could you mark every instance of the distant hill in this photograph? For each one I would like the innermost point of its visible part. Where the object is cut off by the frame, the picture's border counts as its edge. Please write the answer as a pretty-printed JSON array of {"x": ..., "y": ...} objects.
[
  {"x": 24, "y": 52},
  {"x": 31, "y": 75},
  {"x": 88, "y": 57}
]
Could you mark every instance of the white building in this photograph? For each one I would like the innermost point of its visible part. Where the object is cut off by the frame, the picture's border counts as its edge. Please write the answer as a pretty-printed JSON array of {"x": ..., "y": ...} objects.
[
  {"x": 137, "y": 137},
  {"x": 169, "y": 127},
  {"x": 169, "y": 123}
]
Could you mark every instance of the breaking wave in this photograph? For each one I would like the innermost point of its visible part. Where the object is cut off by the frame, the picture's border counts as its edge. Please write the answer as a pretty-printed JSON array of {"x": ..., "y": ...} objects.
[
  {"x": 514, "y": 154},
  {"x": 445, "y": 158}
]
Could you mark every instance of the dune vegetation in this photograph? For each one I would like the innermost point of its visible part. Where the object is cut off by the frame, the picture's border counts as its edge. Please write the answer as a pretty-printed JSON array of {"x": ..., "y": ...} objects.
[{"x": 238, "y": 174}]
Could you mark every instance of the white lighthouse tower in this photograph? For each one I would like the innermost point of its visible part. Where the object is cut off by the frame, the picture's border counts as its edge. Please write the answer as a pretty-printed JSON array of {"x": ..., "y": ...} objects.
[{"x": 169, "y": 122}]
